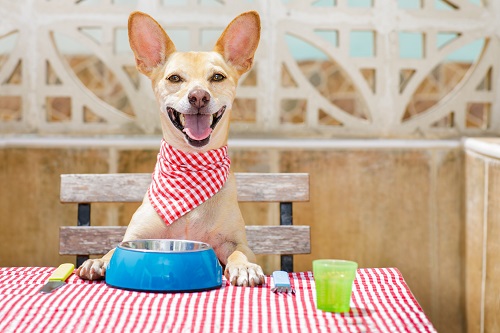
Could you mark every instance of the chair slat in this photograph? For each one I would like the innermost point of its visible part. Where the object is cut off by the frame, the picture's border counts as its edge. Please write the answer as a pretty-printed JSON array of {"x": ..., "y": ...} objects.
[
  {"x": 131, "y": 187},
  {"x": 261, "y": 239},
  {"x": 90, "y": 188}
]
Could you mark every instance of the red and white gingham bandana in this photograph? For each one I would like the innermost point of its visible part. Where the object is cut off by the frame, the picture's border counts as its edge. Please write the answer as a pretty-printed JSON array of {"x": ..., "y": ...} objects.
[{"x": 183, "y": 181}]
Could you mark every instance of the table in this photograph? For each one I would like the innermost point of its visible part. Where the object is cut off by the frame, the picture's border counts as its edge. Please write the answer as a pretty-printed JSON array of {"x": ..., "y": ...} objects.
[{"x": 381, "y": 302}]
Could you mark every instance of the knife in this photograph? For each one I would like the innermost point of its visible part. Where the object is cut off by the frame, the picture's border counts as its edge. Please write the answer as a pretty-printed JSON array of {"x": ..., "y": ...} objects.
[{"x": 58, "y": 278}]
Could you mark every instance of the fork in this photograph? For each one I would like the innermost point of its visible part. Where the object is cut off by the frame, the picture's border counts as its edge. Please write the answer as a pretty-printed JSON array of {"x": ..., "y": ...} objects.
[{"x": 282, "y": 283}]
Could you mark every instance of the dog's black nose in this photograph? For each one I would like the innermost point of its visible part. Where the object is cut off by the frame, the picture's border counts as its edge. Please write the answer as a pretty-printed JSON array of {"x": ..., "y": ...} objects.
[{"x": 199, "y": 98}]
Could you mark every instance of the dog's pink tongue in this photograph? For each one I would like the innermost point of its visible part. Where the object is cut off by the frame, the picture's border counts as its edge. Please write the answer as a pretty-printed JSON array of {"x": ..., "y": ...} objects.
[{"x": 197, "y": 127}]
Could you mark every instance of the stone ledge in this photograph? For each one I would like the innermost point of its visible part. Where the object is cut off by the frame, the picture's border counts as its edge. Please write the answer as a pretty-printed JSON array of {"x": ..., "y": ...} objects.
[
  {"x": 153, "y": 142},
  {"x": 484, "y": 146}
]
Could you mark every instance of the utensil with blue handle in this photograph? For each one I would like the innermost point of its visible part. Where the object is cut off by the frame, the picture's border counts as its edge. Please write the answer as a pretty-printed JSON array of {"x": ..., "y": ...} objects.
[{"x": 282, "y": 283}]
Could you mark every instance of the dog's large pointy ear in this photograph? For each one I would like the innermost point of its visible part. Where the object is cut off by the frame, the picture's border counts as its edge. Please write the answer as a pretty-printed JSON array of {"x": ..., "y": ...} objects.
[
  {"x": 240, "y": 39},
  {"x": 148, "y": 40}
]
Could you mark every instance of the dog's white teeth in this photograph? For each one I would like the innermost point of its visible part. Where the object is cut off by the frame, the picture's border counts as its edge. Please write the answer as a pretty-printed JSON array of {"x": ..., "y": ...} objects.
[{"x": 182, "y": 119}]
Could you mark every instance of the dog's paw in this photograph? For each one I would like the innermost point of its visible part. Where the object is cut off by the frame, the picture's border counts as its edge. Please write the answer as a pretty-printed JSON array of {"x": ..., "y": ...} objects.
[
  {"x": 92, "y": 269},
  {"x": 244, "y": 274}
]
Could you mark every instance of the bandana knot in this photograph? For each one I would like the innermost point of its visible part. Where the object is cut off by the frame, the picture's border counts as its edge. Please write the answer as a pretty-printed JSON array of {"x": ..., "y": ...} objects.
[{"x": 182, "y": 181}]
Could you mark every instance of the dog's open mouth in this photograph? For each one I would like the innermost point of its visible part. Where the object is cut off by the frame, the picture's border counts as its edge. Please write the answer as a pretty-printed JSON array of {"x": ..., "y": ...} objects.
[{"x": 196, "y": 127}]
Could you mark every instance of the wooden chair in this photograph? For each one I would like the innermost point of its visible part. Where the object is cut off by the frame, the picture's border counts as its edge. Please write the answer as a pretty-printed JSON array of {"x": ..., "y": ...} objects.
[{"x": 284, "y": 239}]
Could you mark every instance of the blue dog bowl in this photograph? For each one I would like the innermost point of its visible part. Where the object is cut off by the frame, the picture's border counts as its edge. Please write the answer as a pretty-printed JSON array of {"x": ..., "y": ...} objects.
[{"x": 164, "y": 265}]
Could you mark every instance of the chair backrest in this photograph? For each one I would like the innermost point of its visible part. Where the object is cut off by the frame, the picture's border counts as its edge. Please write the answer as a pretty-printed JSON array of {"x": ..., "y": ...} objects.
[{"x": 84, "y": 189}]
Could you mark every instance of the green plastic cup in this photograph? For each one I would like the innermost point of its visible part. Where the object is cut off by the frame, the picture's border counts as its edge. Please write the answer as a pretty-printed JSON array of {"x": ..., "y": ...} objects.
[{"x": 334, "y": 280}]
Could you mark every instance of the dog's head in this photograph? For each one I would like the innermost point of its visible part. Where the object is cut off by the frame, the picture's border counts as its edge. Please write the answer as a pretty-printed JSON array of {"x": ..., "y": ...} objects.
[{"x": 195, "y": 90}]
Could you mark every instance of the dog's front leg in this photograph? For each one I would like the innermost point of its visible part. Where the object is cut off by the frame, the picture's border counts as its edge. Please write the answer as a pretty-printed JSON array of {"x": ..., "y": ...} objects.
[
  {"x": 94, "y": 269},
  {"x": 145, "y": 224},
  {"x": 240, "y": 271}
]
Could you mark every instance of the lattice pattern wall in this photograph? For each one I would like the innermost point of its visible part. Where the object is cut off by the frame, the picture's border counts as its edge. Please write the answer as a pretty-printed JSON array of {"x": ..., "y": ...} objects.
[{"x": 65, "y": 66}]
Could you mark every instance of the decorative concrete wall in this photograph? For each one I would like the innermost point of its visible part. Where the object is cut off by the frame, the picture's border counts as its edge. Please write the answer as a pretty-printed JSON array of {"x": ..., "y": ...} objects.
[{"x": 357, "y": 68}]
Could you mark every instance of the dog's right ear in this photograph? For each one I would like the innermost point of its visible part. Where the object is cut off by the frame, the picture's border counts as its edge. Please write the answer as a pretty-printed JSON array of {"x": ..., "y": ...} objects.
[
  {"x": 239, "y": 40},
  {"x": 149, "y": 42}
]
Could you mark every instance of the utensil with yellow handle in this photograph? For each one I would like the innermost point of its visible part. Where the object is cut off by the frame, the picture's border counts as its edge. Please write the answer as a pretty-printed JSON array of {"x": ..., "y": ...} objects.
[{"x": 58, "y": 278}]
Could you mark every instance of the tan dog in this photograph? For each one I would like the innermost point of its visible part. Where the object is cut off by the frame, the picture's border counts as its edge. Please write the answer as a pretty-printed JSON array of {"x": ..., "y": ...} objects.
[{"x": 202, "y": 84}]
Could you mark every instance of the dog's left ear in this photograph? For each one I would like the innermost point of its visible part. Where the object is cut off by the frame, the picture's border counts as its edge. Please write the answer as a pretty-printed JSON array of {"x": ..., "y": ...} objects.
[{"x": 240, "y": 39}]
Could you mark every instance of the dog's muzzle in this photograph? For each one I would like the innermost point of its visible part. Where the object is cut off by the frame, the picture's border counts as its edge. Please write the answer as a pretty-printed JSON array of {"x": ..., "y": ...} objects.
[{"x": 197, "y": 128}]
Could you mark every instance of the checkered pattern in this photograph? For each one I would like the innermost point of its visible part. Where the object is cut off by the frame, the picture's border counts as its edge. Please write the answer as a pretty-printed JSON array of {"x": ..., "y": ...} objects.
[
  {"x": 183, "y": 181},
  {"x": 381, "y": 302}
]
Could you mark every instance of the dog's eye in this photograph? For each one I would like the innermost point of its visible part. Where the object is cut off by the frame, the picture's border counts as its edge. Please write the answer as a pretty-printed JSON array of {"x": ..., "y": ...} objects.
[
  {"x": 174, "y": 78},
  {"x": 218, "y": 77}
]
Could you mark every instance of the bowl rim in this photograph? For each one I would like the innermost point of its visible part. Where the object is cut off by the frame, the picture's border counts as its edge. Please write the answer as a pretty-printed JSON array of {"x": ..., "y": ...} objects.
[{"x": 204, "y": 246}]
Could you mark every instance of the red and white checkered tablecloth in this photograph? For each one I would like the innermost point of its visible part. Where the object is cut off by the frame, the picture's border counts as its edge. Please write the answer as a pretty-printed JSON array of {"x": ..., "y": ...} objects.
[{"x": 381, "y": 302}]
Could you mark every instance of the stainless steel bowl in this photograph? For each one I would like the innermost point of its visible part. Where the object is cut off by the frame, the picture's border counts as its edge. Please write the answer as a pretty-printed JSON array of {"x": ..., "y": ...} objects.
[{"x": 164, "y": 245}]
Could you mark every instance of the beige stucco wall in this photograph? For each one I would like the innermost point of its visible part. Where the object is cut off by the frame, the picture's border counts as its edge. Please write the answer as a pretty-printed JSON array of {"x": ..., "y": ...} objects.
[
  {"x": 392, "y": 204},
  {"x": 482, "y": 235}
]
